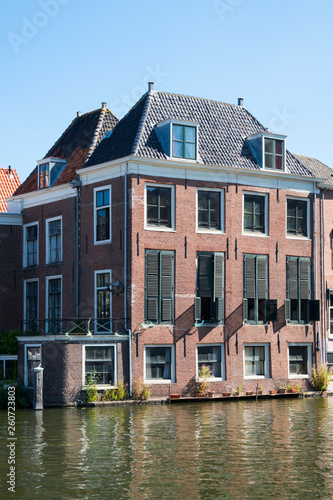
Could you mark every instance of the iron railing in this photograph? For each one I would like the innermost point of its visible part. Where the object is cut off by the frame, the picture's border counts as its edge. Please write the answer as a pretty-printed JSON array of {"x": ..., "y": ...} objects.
[{"x": 75, "y": 326}]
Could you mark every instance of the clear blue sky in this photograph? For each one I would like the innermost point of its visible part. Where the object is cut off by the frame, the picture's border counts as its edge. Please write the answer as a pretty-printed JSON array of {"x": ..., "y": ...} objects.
[{"x": 63, "y": 56}]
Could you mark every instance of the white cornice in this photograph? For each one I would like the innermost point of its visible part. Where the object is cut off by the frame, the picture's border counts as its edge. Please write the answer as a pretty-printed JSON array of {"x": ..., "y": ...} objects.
[
  {"x": 70, "y": 338},
  {"x": 11, "y": 219},
  {"x": 44, "y": 196}
]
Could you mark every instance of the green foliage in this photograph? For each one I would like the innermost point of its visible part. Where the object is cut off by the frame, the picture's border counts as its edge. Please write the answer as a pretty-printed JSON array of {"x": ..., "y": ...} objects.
[
  {"x": 140, "y": 390},
  {"x": 21, "y": 398},
  {"x": 321, "y": 377},
  {"x": 91, "y": 389},
  {"x": 204, "y": 374},
  {"x": 122, "y": 390},
  {"x": 8, "y": 341}
]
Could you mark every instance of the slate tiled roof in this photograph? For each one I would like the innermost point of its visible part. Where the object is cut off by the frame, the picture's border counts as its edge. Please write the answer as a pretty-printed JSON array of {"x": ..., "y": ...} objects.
[
  {"x": 318, "y": 169},
  {"x": 78, "y": 141},
  {"x": 223, "y": 129},
  {"x": 9, "y": 182}
]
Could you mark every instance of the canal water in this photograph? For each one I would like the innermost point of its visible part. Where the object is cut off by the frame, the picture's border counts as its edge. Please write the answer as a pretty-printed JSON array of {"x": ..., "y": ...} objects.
[{"x": 247, "y": 449}]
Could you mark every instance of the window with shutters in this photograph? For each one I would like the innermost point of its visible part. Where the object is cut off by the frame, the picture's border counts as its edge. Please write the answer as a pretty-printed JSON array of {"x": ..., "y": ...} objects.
[
  {"x": 159, "y": 286},
  {"x": 210, "y": 212},
  {"x": 53, "y": 240},
  {"x": 255, "y": 288},
  {"x": 209, "y": 300},
  {"x": 298, "y": 289},
  {"x": 102, "y": 215},
  {"x": 255, "y": 213},
  {"x": 159, "y": 207},
  {"x": 256, "y": 360},
  {"x": 300, "y": 361},
  {"x": 159, "y": 363},
  {"x": 30, "y": 245},
  {"x": 213, "y": 357},
  {"x": 297, "y": 217}
]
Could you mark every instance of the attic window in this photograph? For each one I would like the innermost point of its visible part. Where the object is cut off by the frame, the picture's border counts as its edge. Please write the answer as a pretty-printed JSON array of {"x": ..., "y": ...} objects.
[
  {"x": 48, "y": 171},
  {"x": 274, "y": 154},
  {"x": 184, "y": 139}
]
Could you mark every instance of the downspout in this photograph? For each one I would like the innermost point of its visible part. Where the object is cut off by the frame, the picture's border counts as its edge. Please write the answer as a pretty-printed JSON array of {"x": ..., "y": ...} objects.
[
  {"x": 125, "y": 282},
  {"x": 315, "y": 255},
  {"x": 76, "y": 184},
  {"x": 324, "y": 357}
]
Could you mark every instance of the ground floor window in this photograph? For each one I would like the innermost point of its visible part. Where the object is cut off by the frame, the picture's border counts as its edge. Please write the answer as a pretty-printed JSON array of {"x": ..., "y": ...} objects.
[
  {"x": 256, "y": 361},
  {"x": 8, "y": 367},
  {"x": 100, "y": 364},
  {"x": 31, "y": 360},
  {"x": 159, "y": 363},
  {"x": 211, "y": 356},
  {"x": 299, "y": 360}
]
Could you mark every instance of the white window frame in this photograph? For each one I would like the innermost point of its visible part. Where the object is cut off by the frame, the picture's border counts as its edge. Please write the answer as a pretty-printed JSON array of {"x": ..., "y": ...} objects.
[
  {"x": 160, "y": 381},
  {"x": 185, "y": 124},
  {"x": 25, "y": 297},
  {"x": 26, "y": 361},
  {"x": 3, "y": 359},
  {"x": 96, "y": 288},
  {"x": 330, "y": 308},
  {"x": 210, "y": 231},
  {"x": 274, "y": 137},
  {"x": 155, "y": 228},
  {"x": 96, "y": 190},
  {"x": 47, "y": 236},
  {"x": 309, "y": 367},
  {"x": 48, "y": 278},
  {"x": 25, "y": 245},
  {"x": 267, "y": 360},
  {"x": 99, "y": 386},
  {"x": 212, "y": 379},
  {"x": 253, "y": 233},
  {"x": 294, "y": 236}
]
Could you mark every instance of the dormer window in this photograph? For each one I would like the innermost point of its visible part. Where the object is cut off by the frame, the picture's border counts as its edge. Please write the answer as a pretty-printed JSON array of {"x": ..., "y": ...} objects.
[
  {"x": 274, "y": 154},
  {"x": 179, "y": 139},
  {"x": 269, "y": 150},
  {"x": 49, "y": 170},
  {"x": 183, "y": 142}
]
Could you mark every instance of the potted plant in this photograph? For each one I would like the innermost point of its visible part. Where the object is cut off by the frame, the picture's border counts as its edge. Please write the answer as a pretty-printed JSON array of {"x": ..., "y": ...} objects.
[
  {"x": 321, "y": 378},
  {"x": 282, "y": 390},
  {"x": 202, "y": 385},
  {"x": 273, "y": 391},
  {"x": 238, "y": 391},
  {"x": 249, "y": 393},
  {"x": 259, "y": 391},
  {"x": 226, "y": 394}
]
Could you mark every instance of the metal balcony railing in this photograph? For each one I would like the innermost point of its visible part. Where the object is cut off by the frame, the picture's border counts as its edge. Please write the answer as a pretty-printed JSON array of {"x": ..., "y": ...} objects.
[{"x": 75, "y": 326}]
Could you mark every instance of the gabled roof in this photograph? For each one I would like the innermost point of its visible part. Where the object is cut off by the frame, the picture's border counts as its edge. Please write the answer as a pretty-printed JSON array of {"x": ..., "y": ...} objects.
[
  {"x": 223, "y": 132},
  {"x": 318, "y": 168},
  {"x": 75, "y": 145},
  {"x": 9, "y": 182}
]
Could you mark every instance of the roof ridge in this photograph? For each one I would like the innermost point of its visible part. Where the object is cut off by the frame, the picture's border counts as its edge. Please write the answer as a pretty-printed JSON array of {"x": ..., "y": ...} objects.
[
  {"x": 200, "y": 98},
  {"x": 96, "y": 133},
  {"x": 138, "y": 136}
]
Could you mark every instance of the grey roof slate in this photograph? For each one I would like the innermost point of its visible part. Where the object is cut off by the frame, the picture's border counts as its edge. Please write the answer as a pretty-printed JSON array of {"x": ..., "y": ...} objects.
[
  {"x": 223, "y": 129},
  {"x": 318, "y": 168}
]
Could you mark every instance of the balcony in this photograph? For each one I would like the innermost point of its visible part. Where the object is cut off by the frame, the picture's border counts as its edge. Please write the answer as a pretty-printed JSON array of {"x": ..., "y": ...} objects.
[{"x": 75, "y": 326}]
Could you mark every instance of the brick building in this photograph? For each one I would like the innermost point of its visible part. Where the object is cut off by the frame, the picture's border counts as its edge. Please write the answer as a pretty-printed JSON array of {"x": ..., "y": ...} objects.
[{"x": 184, "y": 234}]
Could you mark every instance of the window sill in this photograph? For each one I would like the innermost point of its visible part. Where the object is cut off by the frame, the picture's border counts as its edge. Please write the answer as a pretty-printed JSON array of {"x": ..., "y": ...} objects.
[
  {"x": 295, "y": 237},
  {"x": 211, "y": 379},
  {"x": 30, "y": 267},
  {"x": 255, "y": 233},
  {"x": 100, "y": 387},
  {"x": 207, "y": 324},
  {"x": 58, "y": 263},
  {"x": 210, "y": 231},
  {"x": 160, "y": 228},
  {"x": 103, "y": 242},
  {"x": 299, "y": 376},
  {"x": 252, "y": 323},
  {"x": 158, "y": 381},
  {"x": 255, "y": 377}
]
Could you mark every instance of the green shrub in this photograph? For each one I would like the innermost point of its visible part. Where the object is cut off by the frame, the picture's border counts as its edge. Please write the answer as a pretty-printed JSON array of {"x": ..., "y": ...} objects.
[
  {"x": 140, "y": 390},
  {"x": 21, "y": 398},
  {"x": 321, "y": 377},
  {"x": 91, "y": 389},
  {"x": 8, "y": 341}
]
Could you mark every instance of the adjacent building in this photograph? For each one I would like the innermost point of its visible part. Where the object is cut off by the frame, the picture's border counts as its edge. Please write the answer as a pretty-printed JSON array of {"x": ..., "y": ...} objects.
[{"x": 184, "y": 234}]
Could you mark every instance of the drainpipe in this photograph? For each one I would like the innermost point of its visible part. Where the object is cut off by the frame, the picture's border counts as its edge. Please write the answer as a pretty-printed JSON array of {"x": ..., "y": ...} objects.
[
  {"x": 76, "y": 184},
  {"x": 315, "y": 255},
  {"x": 324, "y": 357},
  {"x": 125, "y": 282}
]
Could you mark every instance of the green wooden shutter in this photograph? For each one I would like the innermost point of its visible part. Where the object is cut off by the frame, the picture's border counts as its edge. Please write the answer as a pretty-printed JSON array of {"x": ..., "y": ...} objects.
[
  {"x": 250, "y": 276},
  {"x": 304, "y": 278},
  {"x": 152, "y": 285},
  {"x": 245, "y": 310},
  {"x": 197, "y": 308},
  {"x": 287, "y": 310},
  {"x": 262, "y": 276},
  {"x": 166, "y": 286},
  {"x": 205, "y": 275},
  {"x": 292, "y": 277}
]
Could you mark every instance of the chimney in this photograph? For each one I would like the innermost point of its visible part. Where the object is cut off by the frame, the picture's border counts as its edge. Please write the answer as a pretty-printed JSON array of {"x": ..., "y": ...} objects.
[
  {"x": 150, "y": 86},
  {"x": 103, "y": 104},
  {"x": 10, "y": 172},
  {"x": 240, "y": 101},
  {"x": 78, "y": 114}
]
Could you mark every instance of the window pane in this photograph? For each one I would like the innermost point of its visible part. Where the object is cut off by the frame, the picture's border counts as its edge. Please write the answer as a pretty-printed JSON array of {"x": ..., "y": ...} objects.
[
  {"x": 278, "y": 147},
  {"x": 177, "y": 132},
  {"x": 278, "y": 162},
  {"x": 177, "y": 149},
  {"x": 190, "y": 134},
  {"x": 203, "y": 200},
  {"x": 269, "y": 161},
  {"x": 189, "y": 150},
  {"x": 152, "y": 195},
  {"x": 269, "y": 146}
]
